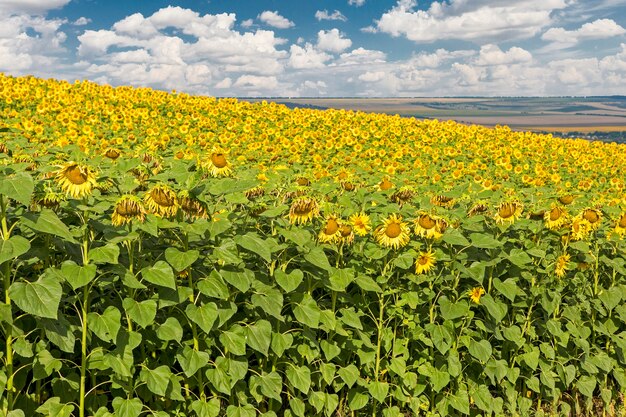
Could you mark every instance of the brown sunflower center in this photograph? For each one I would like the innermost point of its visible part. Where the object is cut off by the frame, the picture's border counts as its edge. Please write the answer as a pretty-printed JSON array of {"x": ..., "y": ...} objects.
[
  {"x": 128, "y": 209},
  {"x": 393, "y": 230},
  {"x": 591, "y": 216},
  {"x": 112, "y": 153},
  {"x": 566, "y": 199},
  {"x": 331, "y": 227},
  {"x": 348, "y": 186},
  {"x": 385, "y": 185},
  {"x": 161, "y": 198},
  {"x": 303, "y": 182},
  {"x": 346, "y": 231},
  {"x": 302, "y": 209},
  {"x": 75, "y": 175},
  {"x": 219, "y": 160},
  {"x": 426, "y": 221},
  {"x": 622, "y": 221},
  {"x": 506, "y": 211},
  {"x": 422, "y": 260},
  {"x": 555, "y": 214}
]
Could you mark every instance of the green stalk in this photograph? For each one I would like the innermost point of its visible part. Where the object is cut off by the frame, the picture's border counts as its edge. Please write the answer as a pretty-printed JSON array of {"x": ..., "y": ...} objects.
[
  {"x": 380, "y": 325},
  {"x": 85, "y": 311},
  {"x": 7, "y": 299}
]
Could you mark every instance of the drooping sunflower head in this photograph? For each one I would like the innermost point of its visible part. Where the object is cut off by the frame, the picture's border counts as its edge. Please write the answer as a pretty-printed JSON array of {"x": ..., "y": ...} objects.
[
  {"x": 425, "y": 262},
  {"x": 303, "y": 210},
  {"x": 429, "y": 226},
  {"x": 255, "y": 192},
  {"x": 560, "y": 267},
  {"x": 442, "y": 201},
  {"x": 47, "y": 198},
  {"x": 403, "y": 195},
  {"x": 393, "y": 233},
  {"x": 556, "y": 218},
  {"x": 331, "y": 231},
  {"x": 112, "y": 153},
  {"x": 580, "y": 228},
  {"x": 475, "y": 294},
  {"x": 217, "y": 163},
  {"x": 508, "y": 212},
  {"x": 347, "y": 234},
  {"x": 192, "y": 206},
  {"x": 593, "y": 216},
  {"x": 303, "y": 181},
  {"x": 566, "y": 199},
  {"x": 620, "y": 225},
  {"x": 76, "y": 179},
  {"x": 128, "y": 208},
  {"x": 162, "y": 201},
  {"x": 105, "y": 185},
  {"x": 361, "y": 223},
  {"x": 349, "y": 185},
  {"x": 478, "y": 208},
  {"x": 385, "y": 184}
]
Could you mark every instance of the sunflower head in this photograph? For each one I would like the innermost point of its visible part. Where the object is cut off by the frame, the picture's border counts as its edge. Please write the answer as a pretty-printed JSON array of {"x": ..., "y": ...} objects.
[
  {"x": 593, "y": 216},
  {"x": 475, "y": 294},
  {"x": 127, "y": 208},
  {"x": 191, "y": 206},
  {"x": 161, "y": 201},
  {"x": 217, "y": 163},
  {"x": 566, "y": 199},
  {"x": 442, "y": 201},
  {"x": 478, "y": 208},
  {"x": 429, "y": 226},
  {"x": 508, "y": 212},
  {"x": 425, "y": 262},
  {"x": 347, "y": 234},
  {"x": 360, "y": 223},
  {"x": 393, "y": 233},
  {"x": 556, "y": 218},
  {"x": 303, "y": 210},
  {"x": 48, "y": 198},
  {"x": 403, "y": 195},
  {"x": 255, "y": 192},
  {"x": 303, "y": 181},
  {"x": 561, "y": 265},
  {"x": 75, "y": 179},
  {"x": 348, "y": 185},
  {"x": 620, "y": 225},
  {"x": 580, "y": 228},
  {"x": 112, "y": 153},
  {"x": 331, "y": 231},
  {"x": 385, "y": 184}
]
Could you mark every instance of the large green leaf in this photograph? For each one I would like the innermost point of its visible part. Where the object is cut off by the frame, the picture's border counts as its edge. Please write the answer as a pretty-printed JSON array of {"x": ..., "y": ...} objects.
[
  {"x": 47, "y": 221},
  {"x": 496, "y": 308},
  {"x": 484, "y": 241},
  {"x": 255, "y": 244},
  {"x": 306, "y": 311},
  {"x": 240, "y": 279},
  {"x": 13, "y": 247},
  {"x": 142, "y": 313},
  {"x": 78, "y": 275},
  {"x": 318, "y": 258},
  {"x": 127, "y": 407},
  {"x": 214, "y": 286},
  {"x": 160, "y": 274},
  {"x": 170, "y": 330},
  {"x": 18, "y": 186},
  {"x": 156, "y": 379},
  {"x": 240, "y": 411},
  {"x": 107, "y": 254},
  {"x": 181, "y": 260},
  {"x": 299, "y": 377},
  {"x": 204, "y": 316},
  {"x": 54, "y": 408},
  {"x": 40, "y": 298},
  {"x": 289, "y": 282},
  {"x": 259, "y": 336},
  {"x": 481, "y": 350},
  {"x": 271, "y": 385},
  {"x": 60, "y": 332},
  {"x": 234, "y": 340},
  {"x": 378, "y": 390},
  {"x": 105, "y": 325}
]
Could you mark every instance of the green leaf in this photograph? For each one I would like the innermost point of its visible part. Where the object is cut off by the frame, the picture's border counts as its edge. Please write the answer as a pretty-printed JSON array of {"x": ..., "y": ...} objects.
[
  {"x": 519, "y": 257},
  {"x": 378, "y": 390},
  {"x": 156, "y": 379},
  {"x": 47, "y": 221},
  {"x": 40, "y": 298},
  {"x": 318, "y": 258},
  {"x": 508, "y": 288},
  {"x": 234, "y": 340},
  {"x": 105, "y": 325},
  {"x": 127, "y": 407},
  {"x": 586, "y": 384},
  {"x": 15, "y": 413},
  {"x": 460, "y": 401},
  {"x": 483, "y": 398},
  {"x": 240, "y": 411},
  {"x": 107, "y": 254},
  {"x": 53, "y": 408},
  {"x": 455, "y": 237},
  {"x": 439, "y": 380},
  {"x": 259, "y": 336},
  {"x": 160, "y": 274},
  {"x": 60, "y": 333},
  {"x": 206, "y": 409},
  {"x": 271, "y": 385},
  {"x": 78, "y": 276},
  {"x": 218, "y": 376},
  {"x": 481, "y": 350},
  {"x": 349, "y": 374},
  {"x": 192, "y": 360},
  {"x": 340, "y": 279},
  {"x": 611, "y": 297},
  {"x": 203, "y": 316},
  {"x": 306, "y": 311},
  {"x": 357, "y": 399},
  {"x": 366, "y": 283},
  {"x": 240, "y": 279},
  {"x": 214, "y": 286},
  {"x": 297, "y": 407},
  {"x": 255, "y": 244},
  {"x": 289, "y": 282},
  {"x": 441, "y": 336},
  {"x": 281, "y": 342},
  {"x": 484, "y": 241},
  {"x": 299, "y": 377},
  {"x": 18, "y": 187},
  {"x": 181, "y": 260},
  {"x": 496, "y": 309},
  {"x": 170, "y": 330},
  {"x": 142, "y": 313},
  {"x": 13, "y": 247},
  {"x": 451, "y": 311}
]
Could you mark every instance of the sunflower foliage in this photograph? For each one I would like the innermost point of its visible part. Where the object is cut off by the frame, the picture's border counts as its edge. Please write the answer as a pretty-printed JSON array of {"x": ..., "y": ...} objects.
[{"x": 164, "y": 254}]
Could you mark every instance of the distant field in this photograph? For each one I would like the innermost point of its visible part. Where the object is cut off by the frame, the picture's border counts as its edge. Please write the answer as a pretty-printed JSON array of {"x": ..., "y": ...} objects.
[{"x": 549, "y": 114}]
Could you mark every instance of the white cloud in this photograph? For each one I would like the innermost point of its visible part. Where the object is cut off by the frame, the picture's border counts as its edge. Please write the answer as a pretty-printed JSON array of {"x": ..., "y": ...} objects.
[
  {"x": 32, "y": 7},
  {"x": 357, "y": 3},
  {"x": 332, "y": 41},
  {"x": 461, "y": 19},
  {"x": 247, "y": 23},
  {"x": 361, "y": 56},
  {"x": 372, "y": 77},
  {"x": 324, "y": 15},
  {"x": 256, "y": 82},
  {"x": 598, "y": 29},
  {"x": 225, "y": 83},
  {"x": 492, "y": 55},
  {"x": 307, "y": 57},
  {"x": 81, "y": 21},
  {"x": 275, "y": 20},
  {"x": 438, "y": 58}
]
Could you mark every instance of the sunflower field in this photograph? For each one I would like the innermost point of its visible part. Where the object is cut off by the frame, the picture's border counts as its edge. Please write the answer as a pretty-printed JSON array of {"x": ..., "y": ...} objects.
[{"x": 164, "y": 254}]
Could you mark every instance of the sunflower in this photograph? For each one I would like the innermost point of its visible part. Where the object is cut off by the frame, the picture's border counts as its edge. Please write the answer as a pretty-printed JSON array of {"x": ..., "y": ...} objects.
[
  {"x": 593, "y": 216},
  {"x": 425, "y": 262},
  {"x": 48, "y": 198},
  {"x": 561, "y": 265},
  {"x": 385, "y": 185},
  {"x": 331, "y": 232},
  {"x": 403, "y": 195},
  {"x": 508, "y": 212},
  {"x": 360, "y": 223},
  {"x": 620, "y": 225},
  {"x": 566, "y": 199},
  {"x": 556, "y": 218},
  {"x": 348, "y": 185},
  {"x": 112, "y": 153},
  {"x": 429, "y": 226},
  {"x": 75, "y": 179},
  {"x": 162, "y": 201},
  {"x": 393, "y": 233},
  {"x": 217, "y": 164},
  {"x": 347, "y": 234},
  {"x": 255, "y": 192},
  {"x": 303, "y": 210},
  {"x": 478, "y": 208},
  {"x": 580, "y": 228},
  {"x": 191, "y": 206},
  {"x": 442, "y": 201},
  {"x": 127, "y": 208},
  {"x": 303, "y": 181},
  {"x": 475, "y": 294}
]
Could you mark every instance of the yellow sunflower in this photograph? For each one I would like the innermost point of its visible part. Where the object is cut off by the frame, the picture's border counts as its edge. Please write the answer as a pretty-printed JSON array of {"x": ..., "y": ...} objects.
[
  {"x": 566, "y": 199},
  {"x": 442, "y": 201},
  {"x": 112, "y": 153},
  {"x": 127, "y": 208},
  {"x": 393, "y": 233},
  {"x": 425, "y": 262},
  {"x": 48, "y": 198},
  {"x": 385, "y": 185},
  {"x": 161, "y": 201},
  {"x": 303, "y": 210},
  {"x": 620, "y": 225},
  {"x": 217, "y": 164},
  {"x": 347, "y": 234},
  {"x": 556, "y": 218},
  {"x": 580, "y": 228},
  {"x": 508, "y": 212},
  {"x": 255, "y": 192},
  {"x": 75, "y": 179},
  {"x": 478, "y": 208},
  {"x": 403, "y": 195},
  {"x": 593, "y": 216},
  {"x": 191, "y": 206},
  {"x": 561, "y": 265},
  {"x": 429, "y": 226},
  {"x": 361, "y": 223},
  {"x": 331, "y": 232},
  {"x": 475, "y": 294}
]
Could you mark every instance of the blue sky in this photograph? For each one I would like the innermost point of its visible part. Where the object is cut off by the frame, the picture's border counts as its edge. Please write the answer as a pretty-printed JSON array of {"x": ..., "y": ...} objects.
[{"x": 323, "y": 48}]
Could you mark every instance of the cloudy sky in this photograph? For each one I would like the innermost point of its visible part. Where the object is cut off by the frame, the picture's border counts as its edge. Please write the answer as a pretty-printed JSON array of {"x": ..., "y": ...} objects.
[{"x": 323, "y": 47}]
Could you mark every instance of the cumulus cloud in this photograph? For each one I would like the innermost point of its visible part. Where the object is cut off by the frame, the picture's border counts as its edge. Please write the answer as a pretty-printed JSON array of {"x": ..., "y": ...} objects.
[
  {"x": 492, "y": 55},
  {"x": 598, "y": 29},
  {"x": 324, "y": 15},
  {"x": 332, "y": 41},
  {"x": 81, "y": 21},
  {"x": 247, "y": 23},
  {"x": 372, "y": 76},
  {"x": 307, "y": 57},
  {"x": 275, "y": 20},
  {"x": 361, "y": 56},
  {"x": 357, "y": 3},
  {"x": 464, "y": 20},
  {"x": 32, "y": 7}
]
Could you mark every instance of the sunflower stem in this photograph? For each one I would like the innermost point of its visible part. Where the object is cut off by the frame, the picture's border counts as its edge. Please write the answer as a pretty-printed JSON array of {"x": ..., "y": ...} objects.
[
  {"x": 85, "y": 311},
  {"x": 7, "y": 299}
]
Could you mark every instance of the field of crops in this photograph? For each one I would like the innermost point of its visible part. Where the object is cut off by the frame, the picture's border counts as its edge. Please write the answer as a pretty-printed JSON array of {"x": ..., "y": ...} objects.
[{"x": 166, "y": 254}]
